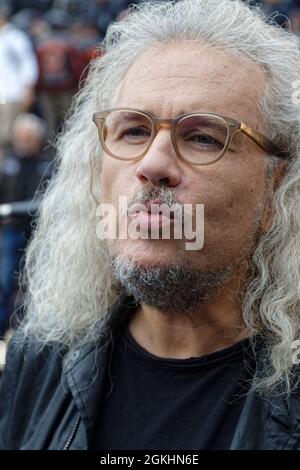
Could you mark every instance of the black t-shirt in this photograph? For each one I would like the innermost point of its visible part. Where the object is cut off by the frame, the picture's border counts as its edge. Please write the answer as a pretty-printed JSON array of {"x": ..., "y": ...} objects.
[{"x": 154, "y": 403}]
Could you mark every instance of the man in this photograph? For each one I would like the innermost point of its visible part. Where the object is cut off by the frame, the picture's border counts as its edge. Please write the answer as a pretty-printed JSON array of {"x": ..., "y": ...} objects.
[
  {"x": 135, "y": 342},
  {"x": 18, "y": 74},
  {"x": 23, "y": 172}
]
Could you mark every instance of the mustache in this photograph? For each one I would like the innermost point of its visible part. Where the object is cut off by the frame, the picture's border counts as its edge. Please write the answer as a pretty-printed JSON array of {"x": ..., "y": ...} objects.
[{"x": 163, "y": 195}]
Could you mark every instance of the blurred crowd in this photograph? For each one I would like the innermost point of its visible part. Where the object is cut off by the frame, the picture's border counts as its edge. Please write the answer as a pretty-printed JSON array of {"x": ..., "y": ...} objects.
[{"x": 45, "y": 50}]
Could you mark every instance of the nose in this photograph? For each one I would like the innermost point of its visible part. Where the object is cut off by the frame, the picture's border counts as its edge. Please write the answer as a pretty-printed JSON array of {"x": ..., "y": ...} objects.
[{"x": 160, "y": 164}]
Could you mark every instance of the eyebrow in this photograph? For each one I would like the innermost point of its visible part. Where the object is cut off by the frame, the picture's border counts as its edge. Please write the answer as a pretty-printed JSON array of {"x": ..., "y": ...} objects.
[{"x": 130, "y": 116}]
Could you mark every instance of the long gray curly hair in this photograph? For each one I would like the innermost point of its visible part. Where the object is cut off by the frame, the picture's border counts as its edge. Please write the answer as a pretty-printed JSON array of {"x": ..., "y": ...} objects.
[{"x": 70, "y": 286}]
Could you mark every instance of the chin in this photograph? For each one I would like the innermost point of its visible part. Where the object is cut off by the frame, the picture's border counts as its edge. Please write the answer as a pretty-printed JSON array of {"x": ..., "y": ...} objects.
[{"x": 148, "y": 253}]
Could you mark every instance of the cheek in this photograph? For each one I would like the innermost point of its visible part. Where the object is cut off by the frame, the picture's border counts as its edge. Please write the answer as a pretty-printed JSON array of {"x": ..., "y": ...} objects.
[
  {"x": 106, "y": 181},
  {"x": 229, "y": 212},
  {"x": 116, "y": 178},
  {"x": 232, "y": 204},
  {"x": 224, "y": 192},
  {"x": 235, "y": 206}
]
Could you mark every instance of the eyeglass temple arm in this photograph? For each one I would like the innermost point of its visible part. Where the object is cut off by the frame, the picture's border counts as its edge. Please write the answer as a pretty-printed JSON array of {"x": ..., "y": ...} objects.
[{"x": 261, "y": 140}]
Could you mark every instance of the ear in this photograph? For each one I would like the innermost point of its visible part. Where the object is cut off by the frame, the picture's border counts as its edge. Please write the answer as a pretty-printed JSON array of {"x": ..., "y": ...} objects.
[
  {"x": 279, "y": 173},
  {"x": 277, "y": 177}
]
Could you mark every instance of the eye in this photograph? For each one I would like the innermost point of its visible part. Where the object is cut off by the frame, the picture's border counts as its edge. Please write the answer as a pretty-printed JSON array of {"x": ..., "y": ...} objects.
[
  {"x": 136, "y": 132},
  {"x": 204, "y": 140}
]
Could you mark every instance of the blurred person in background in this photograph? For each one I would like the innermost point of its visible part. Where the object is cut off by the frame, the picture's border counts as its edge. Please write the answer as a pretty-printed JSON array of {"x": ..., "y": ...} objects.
[
  {"x": 25, "y": 19},
  {"x": 60, "y": 69},
  {"x": 18, "y": 74},
  {"x": 24, "y": 171},
  {"x": 85, "y": 38}
]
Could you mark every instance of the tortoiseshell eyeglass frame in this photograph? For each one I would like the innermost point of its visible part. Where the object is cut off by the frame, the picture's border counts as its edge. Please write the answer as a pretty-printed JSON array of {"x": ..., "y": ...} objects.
[{"x": 232, "y": 126}]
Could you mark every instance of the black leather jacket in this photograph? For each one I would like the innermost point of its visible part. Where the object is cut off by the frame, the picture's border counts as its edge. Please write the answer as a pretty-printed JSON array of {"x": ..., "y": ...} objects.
[{"x": 49, "y": 400}]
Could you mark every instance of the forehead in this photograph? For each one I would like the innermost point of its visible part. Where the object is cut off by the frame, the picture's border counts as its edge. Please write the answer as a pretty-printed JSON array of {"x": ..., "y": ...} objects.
[{"x": 180, "y": 77}]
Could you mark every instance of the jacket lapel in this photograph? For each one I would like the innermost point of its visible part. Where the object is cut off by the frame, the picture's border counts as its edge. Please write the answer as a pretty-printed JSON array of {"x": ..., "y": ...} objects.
[
  {"x": 85, "y": 368},
  {"x": 268, "y": 424}
]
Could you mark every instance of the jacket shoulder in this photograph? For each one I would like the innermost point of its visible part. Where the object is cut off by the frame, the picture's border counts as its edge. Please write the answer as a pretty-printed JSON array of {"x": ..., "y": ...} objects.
[{"x": 31, "y": 376}]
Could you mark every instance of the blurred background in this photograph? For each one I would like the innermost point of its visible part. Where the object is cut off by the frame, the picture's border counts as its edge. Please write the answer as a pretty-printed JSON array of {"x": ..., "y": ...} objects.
[{"x": 45, "y": 50}]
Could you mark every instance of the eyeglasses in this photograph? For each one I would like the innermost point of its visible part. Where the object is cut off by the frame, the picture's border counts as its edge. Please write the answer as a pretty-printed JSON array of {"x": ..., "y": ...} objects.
[{"x": 199, "y": 138}]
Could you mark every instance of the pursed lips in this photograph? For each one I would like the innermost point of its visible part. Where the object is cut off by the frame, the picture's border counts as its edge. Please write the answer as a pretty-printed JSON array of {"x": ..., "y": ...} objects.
[
  {"x": 153, "y": 207},
  {"x": 152, "y": 214}
]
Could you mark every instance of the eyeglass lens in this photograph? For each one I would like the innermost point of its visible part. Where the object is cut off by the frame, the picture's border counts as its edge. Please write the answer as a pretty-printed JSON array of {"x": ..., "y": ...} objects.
[{"x": 200, "y": 138}]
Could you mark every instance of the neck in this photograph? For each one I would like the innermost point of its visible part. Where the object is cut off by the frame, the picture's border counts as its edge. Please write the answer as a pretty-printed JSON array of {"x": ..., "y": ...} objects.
[{"x": 210, "y": 328}]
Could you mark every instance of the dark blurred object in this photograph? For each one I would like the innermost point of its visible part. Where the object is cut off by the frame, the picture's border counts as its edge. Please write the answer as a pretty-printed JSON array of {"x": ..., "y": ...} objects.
[
  {"x": 58, "y": 19},
  {"x": 24, "y": 19},
  {"x": 41, "y": 5},
  {"x": 294, "y": 16},
  {"x": 102, "y": 12},
  {"x": 73, "y": 7},
  {"x": 286, "y": 12},
  {"x": 5, "y": 8},
  {"x": 19, "y": 208}
]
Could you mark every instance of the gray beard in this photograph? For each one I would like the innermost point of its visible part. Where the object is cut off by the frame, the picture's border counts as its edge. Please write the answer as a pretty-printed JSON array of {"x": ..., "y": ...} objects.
[
  {"x": 169, "y": 288},
  {"x": 181, "y": 288}
]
